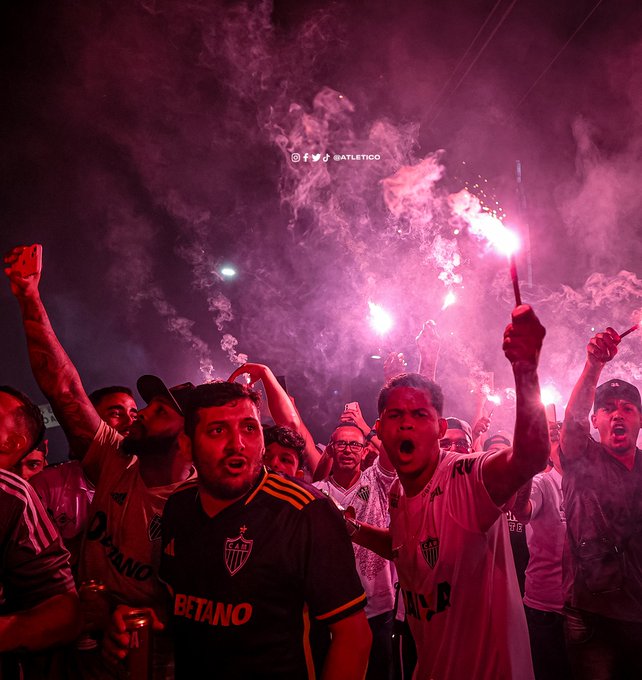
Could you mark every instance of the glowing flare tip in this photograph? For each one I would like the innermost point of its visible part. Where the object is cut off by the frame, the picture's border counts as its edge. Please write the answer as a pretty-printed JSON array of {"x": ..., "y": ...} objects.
[
  {"x": 380, "y": 320},
  {"x": 450, "y": 299},
  {"x": 630, "y": 330},
  {"x": 549, "y": 394}
]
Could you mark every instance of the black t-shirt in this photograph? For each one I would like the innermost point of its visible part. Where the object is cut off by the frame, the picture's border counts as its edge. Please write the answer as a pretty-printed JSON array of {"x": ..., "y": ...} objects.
[
  {"x": 596, "y": 577},
  {"x": 519, "y": 546},
  {"x": 247, "y": 582}
]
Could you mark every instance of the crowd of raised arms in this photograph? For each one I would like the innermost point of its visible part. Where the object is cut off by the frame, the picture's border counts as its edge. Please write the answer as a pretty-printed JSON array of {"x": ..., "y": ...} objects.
[{"x": 189, "y": 539}]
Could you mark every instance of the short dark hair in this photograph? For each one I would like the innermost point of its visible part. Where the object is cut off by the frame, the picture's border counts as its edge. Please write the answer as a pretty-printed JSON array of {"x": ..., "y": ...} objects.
[
  {"x": 98, "y": 395},
  {"x": 28, "y": 418},
  {"x": 418, "y": 382},
  {"x": 285, "y": 437},
  {"x": 217, "y": 393}
]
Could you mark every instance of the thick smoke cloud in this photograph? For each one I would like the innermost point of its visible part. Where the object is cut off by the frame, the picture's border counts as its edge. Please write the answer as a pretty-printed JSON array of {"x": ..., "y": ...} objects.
[{"x": 159, "y": 138}]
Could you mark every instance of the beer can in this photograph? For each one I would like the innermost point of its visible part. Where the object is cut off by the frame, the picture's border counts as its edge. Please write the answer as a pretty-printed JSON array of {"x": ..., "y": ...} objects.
[
  {"x": 94, "y": 603},
  {"x": 138, "y": 623}
]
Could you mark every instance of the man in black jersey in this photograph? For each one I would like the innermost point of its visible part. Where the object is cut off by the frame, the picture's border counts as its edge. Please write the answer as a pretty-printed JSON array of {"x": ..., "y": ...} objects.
[{"x": 251, "y": 557}]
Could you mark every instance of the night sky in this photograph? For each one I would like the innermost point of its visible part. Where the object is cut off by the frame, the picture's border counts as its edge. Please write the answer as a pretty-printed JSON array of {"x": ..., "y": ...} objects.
[{"x": 148, "y": 144}]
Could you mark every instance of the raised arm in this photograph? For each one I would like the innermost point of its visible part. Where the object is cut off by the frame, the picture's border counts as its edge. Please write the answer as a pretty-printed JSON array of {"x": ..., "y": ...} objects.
[
  {"x": 281, "y": 407},
  {"x": 575, "y": 430},
  {"x": 506, "y": 471},
  {"x": 429, "y": 346},
  {"x": 53, "y": 370}
]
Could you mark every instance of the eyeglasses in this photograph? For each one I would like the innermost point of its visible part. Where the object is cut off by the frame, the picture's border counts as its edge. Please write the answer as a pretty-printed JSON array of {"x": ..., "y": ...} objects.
[
  {"x": 342, "y": 446},
  {"x": 457, "y": 444}
]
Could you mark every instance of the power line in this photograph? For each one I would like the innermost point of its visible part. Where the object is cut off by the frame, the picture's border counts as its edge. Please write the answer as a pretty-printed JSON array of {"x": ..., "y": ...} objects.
[
  {"x": 463, "y": 57},
  {"x": 507, "y": 11},
  {"x": 554, "y": 59}
]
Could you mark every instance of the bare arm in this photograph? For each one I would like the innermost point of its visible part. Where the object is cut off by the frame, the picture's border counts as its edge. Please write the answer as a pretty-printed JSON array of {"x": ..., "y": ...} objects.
[
  {"x": 575, "y": 430},
  {"x": 506, "y": 471},
  {"x": 281, "y": 406},
  {"x": 54, "y": 621},
  {"x": 429, "y": 345},
  {"x": 347, "y": 657},
  {"x": 53, "y": 370},
  {"x": 324, "y": 466},
  {"x": 375, "y": 539},
  {"x": 521, "y": 507}
]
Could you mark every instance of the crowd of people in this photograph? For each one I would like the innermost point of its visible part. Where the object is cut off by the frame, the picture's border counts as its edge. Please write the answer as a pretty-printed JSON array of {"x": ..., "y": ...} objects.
[{"x": 415, "y": 546}]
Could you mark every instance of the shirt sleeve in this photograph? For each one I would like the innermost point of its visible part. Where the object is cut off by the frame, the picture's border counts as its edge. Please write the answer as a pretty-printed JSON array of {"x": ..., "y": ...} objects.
[
  {"x": 469, "y": 501},
  {"x": 384, "y": 477},
  {"x": 537, "y": 495},
  {"x": 35, "y": 563},
  {"x": 333, "y": 590},
  {"x": 104, "y": 455}
]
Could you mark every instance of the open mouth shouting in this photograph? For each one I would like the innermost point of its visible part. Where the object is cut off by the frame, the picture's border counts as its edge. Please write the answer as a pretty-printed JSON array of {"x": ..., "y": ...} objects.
[{"x": 407, "y": 446}]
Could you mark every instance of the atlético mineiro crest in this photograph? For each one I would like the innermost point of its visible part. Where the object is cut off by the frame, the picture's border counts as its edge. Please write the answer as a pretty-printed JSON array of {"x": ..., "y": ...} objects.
[
  {"x": 237, "y": 551},
  {"x": 430, "y": 551},
  {"x": 364, "y": 493}
]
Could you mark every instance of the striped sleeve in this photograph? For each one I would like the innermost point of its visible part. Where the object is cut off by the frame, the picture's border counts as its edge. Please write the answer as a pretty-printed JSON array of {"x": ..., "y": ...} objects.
[
  {"x": 333, "y": 587},
  {"x": 35, "y": 565}
]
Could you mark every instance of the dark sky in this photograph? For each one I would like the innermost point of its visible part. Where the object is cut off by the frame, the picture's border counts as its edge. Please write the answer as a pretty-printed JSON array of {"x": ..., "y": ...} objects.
[{"x": 146, "y": 144}]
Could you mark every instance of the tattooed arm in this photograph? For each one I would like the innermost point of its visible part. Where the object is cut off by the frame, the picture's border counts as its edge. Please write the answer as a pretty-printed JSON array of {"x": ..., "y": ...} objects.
[{"x": 55, "y": 373}]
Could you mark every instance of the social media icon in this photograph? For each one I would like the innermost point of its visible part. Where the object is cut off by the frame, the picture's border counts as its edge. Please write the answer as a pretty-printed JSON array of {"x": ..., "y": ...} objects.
[
  {"x": 316, "y": 157},
  {"x": 295, "y": 157},
  {"x": 326, "y": 158},
  {"x": 305, "y": 157}
]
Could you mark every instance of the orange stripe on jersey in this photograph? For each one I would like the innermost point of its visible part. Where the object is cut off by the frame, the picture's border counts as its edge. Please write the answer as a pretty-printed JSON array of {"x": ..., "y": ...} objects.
[
  {"x": 258, "y": 488},
  {"x": 307, "y": 650},
  {"x": 282, "y": 484},
  {"x": 283, "y": 497},
  {"x": 285, "y": 491},
  {"x": 342, "y": 608}
]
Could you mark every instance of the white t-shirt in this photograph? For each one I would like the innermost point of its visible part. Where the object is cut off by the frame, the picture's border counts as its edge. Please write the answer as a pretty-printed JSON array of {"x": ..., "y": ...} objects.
[
  {"x": 545, "y": 534},
  {"x": 453, "y": 556},
  {"x": 369, "y": 498},
  {"x": 122, "y": 541}
]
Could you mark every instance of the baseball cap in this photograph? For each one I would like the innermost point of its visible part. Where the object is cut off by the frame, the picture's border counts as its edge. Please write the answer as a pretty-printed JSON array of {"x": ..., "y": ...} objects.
[
  {"x": 459, "y": 424},
  {"x": 151, "y": 386},
  {"x": 616, "y": 389},
  {"x": 497, "y": 438}
]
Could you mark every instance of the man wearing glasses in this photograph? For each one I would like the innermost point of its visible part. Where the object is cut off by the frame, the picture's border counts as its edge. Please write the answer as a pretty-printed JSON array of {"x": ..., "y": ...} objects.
[
  {"x": 364, "y": 497},
  {"x": 458, "y": 436}
]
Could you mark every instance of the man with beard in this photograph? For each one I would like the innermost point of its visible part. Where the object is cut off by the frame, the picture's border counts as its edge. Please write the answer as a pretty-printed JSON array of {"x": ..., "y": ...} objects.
[
  {"x": 252, "y": 558},
  {"x": 602, "y": 486},
  {"x": 448, "y": 534},
  {"x": 122, "y": 547},
  {"x": 364, "y": 496}
]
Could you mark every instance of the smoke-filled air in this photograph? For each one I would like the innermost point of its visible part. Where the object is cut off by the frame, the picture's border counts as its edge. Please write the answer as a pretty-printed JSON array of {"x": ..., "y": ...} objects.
[{"x": 304, "y": 184}]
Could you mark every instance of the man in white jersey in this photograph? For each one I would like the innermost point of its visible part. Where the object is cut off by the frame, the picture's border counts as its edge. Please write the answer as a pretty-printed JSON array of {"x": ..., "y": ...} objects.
[
  {"x": 365, "y": 496},
  {"x": 448, "y": 533}
]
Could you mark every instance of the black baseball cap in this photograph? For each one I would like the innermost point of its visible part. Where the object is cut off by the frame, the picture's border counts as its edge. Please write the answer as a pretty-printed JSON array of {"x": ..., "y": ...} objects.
[
  {"x": 459, "y": 424},
  {"x": 496, "y": 439},
  {"x": 151, "y": 386},
  {"x": 617, "y": 389}
]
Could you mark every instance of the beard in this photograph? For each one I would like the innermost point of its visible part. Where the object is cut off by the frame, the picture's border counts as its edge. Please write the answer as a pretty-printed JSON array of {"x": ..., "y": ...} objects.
[
  {"x": 228, "y": 489},
  {"x": 148, "y": 445}
]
